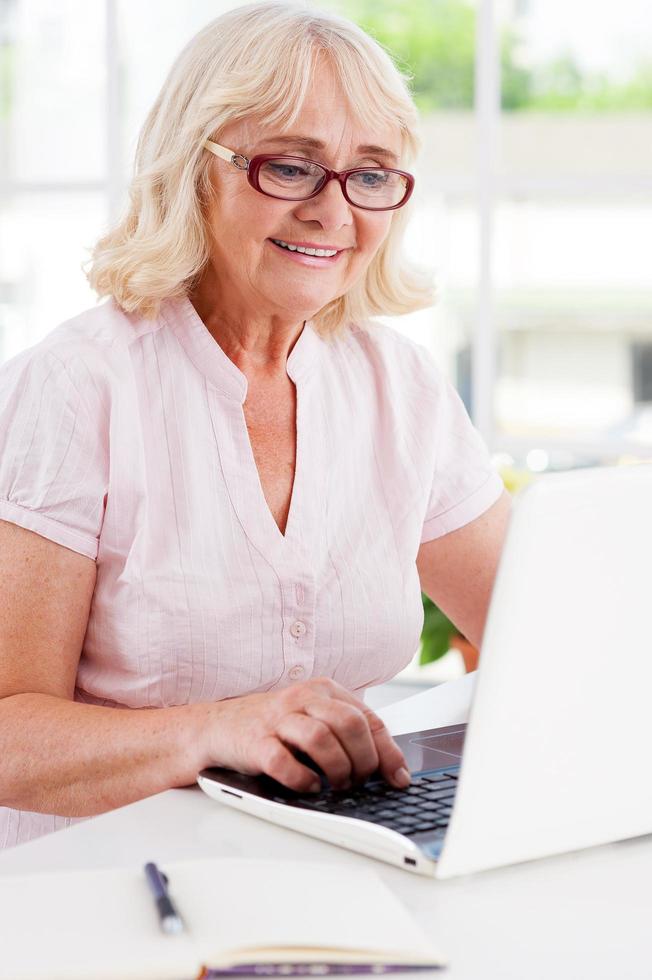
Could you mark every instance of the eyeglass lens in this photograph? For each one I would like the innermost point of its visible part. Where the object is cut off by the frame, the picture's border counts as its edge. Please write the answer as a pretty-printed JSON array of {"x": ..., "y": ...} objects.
[{"x": 373, "y": 188}]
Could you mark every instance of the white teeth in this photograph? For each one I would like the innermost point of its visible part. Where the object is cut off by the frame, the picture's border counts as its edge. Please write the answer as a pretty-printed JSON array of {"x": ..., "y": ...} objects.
[{"x": 307, "y": 251}]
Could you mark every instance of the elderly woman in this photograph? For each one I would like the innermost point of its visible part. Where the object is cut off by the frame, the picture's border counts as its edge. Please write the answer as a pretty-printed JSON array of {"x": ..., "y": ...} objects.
[{"x": 222, "y": 489}]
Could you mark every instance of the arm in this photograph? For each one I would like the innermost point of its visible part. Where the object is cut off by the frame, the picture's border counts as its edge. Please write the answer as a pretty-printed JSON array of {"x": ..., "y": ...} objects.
[
  {"x": 62, "y": 757},
  {"x": 458, "y": 569},
  {"x": 59, "y": 756}
]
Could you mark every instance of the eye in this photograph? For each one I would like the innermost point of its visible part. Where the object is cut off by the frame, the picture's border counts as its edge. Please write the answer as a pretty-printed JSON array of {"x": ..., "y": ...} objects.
[
  {"x": 287, "y": 170},
  {"x": 373, "y": 177},
  {"x": 290, "y": 171}
]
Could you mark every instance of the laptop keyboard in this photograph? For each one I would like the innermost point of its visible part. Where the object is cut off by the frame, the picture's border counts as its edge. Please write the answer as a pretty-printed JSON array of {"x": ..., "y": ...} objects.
[{"x": 425, "y": 805}]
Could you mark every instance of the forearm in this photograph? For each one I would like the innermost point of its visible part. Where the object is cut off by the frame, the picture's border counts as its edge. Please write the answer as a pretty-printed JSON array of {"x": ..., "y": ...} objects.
[{"x": 77, "y": 760}]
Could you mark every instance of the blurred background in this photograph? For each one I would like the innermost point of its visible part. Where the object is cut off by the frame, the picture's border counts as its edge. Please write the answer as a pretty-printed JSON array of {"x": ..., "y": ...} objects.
[{"x": 533, "y": 209}]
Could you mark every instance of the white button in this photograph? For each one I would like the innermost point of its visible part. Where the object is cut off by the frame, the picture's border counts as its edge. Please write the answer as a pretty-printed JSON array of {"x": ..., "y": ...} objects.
[
  {"x": 298, "y": 629},
  {"x": 295, "y": 673}
]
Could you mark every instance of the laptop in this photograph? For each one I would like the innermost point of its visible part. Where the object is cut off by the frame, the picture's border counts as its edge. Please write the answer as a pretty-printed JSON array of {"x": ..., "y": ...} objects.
[{"x": 555, "y": 755}]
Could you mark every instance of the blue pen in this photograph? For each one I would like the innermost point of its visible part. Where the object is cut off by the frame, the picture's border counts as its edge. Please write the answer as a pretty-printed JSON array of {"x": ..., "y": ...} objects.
[{"x": 171, "y": 921}]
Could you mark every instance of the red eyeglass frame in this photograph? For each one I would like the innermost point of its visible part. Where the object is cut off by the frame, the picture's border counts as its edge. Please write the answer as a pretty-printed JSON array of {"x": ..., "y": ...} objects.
[{"x": 252, "y": 168}]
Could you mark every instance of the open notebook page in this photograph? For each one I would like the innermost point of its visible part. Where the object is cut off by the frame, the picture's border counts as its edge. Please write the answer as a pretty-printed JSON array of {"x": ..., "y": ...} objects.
[{"x": 103, "y": 924}]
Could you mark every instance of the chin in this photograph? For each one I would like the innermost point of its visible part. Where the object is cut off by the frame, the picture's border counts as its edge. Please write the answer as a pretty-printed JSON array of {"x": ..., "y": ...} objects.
[{"x": 306, "y": 308}]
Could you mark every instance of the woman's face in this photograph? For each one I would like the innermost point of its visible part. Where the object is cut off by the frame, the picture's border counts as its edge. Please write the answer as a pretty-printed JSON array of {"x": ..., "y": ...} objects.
[{"x": 250, "y": 271}]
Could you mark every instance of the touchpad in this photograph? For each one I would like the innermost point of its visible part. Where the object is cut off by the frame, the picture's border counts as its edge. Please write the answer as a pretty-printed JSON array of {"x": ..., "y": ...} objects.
[
  {"x": 438, "y": 751},
  {"x": 433, "y": 748},
  {"x": 451, "y": 742}
]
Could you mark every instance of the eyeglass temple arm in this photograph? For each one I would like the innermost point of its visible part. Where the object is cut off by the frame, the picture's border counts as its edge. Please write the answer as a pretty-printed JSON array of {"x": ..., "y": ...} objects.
[{"x": 225, "y": 154}]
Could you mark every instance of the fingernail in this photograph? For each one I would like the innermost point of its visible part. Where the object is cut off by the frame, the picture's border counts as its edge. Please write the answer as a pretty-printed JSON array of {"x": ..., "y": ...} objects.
[{"x": 402, "y": 777}]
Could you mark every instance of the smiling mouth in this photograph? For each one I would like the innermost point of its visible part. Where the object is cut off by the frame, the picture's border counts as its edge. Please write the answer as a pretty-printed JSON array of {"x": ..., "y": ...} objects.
[{"x": 306, "y": 249}]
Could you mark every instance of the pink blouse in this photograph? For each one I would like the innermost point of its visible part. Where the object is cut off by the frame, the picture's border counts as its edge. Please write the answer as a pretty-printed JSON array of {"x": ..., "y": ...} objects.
[{"x": 124, "y": 439}]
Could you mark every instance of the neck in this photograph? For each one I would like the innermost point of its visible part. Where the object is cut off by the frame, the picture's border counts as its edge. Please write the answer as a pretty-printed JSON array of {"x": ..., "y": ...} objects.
[{"x": 255, "y": 343}]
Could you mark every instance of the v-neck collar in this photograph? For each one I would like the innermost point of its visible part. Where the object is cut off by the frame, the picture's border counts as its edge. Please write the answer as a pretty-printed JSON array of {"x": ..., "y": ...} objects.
[
  {"x": 209, "y": 358},
  {"x": 234, "y": 445}
]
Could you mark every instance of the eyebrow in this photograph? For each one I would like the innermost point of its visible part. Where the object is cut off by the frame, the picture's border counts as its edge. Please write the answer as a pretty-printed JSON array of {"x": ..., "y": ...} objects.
[{"x": 366, "y": 149}]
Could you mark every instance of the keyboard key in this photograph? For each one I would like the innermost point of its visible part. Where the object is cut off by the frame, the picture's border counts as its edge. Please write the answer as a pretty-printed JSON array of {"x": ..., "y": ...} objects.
[{"x": 440, "y": 794}]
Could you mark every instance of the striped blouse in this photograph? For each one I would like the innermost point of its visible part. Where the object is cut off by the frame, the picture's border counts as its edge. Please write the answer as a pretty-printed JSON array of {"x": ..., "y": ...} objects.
[{"x": 125, "y": 440}]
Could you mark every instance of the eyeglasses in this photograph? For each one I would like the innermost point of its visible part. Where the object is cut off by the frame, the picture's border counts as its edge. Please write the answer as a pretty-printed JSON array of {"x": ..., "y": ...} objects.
[{"x": 296, "y": 179}]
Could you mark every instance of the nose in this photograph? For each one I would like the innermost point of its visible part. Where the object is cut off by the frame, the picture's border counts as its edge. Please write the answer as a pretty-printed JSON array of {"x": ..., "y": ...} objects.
[{"x": 330, "y": 208}]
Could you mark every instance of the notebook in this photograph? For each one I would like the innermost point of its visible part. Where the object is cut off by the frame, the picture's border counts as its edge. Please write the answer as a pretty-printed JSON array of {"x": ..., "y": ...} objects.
[{"x": 103, "y": 924}]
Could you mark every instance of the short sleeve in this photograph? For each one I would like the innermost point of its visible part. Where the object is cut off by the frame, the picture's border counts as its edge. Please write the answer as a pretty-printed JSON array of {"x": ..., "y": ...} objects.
[
  {"x": 464, "y": 482},
  {"x": 53, "y": 452}
]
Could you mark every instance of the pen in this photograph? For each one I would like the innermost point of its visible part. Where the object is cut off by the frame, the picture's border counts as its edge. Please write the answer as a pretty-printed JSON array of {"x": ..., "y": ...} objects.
[
  {"x": 171, "y": 921},
  {"x": 312, "y": 969}
]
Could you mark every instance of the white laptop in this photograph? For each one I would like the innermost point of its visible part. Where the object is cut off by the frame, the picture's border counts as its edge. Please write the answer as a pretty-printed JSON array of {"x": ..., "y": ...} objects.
[{"x": 556, "y": 753}]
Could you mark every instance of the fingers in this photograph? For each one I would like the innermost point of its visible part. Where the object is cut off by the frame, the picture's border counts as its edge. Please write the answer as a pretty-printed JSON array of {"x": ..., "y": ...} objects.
[
  {"x": 277, "y": 761},
  {"x": 339, "y": 732},
  {"x": 318, "y": 740},
  {"x": 351, "y": 732},
  {"x": 390, "y": 760}
]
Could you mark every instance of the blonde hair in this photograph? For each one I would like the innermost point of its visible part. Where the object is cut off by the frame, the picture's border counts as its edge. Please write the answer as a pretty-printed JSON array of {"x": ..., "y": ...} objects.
[{"x": 254, "y": 61}]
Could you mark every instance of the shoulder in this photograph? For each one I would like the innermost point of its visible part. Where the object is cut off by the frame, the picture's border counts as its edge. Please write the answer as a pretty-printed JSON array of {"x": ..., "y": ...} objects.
[
  {"x": 84, "y": 353},
  {"x": 103, "y": 331},
  {"x": 391, "y": 359}
]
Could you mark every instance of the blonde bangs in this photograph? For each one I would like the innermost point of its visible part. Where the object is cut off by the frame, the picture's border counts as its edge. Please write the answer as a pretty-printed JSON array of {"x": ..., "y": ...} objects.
[{"x": 253, "y": 62}]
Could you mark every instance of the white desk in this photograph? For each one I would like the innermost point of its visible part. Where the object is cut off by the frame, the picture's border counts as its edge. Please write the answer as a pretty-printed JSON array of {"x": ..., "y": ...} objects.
[{"x": 583, "y": 915}]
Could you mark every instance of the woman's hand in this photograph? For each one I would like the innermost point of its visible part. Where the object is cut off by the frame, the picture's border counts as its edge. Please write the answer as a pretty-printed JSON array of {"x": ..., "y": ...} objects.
[{"x": 256, "y": 734}]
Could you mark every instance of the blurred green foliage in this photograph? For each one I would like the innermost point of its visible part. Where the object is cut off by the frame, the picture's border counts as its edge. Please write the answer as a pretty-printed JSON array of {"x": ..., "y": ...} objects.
[
  {"x": 437, "y": 632},
  {"x": 433, "y": 41},
  {"x": 560, "y": 86}
]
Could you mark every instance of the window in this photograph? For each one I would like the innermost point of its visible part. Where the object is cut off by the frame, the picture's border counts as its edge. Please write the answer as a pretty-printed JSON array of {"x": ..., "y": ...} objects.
[
  {"x": 533, "y": 202},
  {"x": 571, "y": 212}
]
